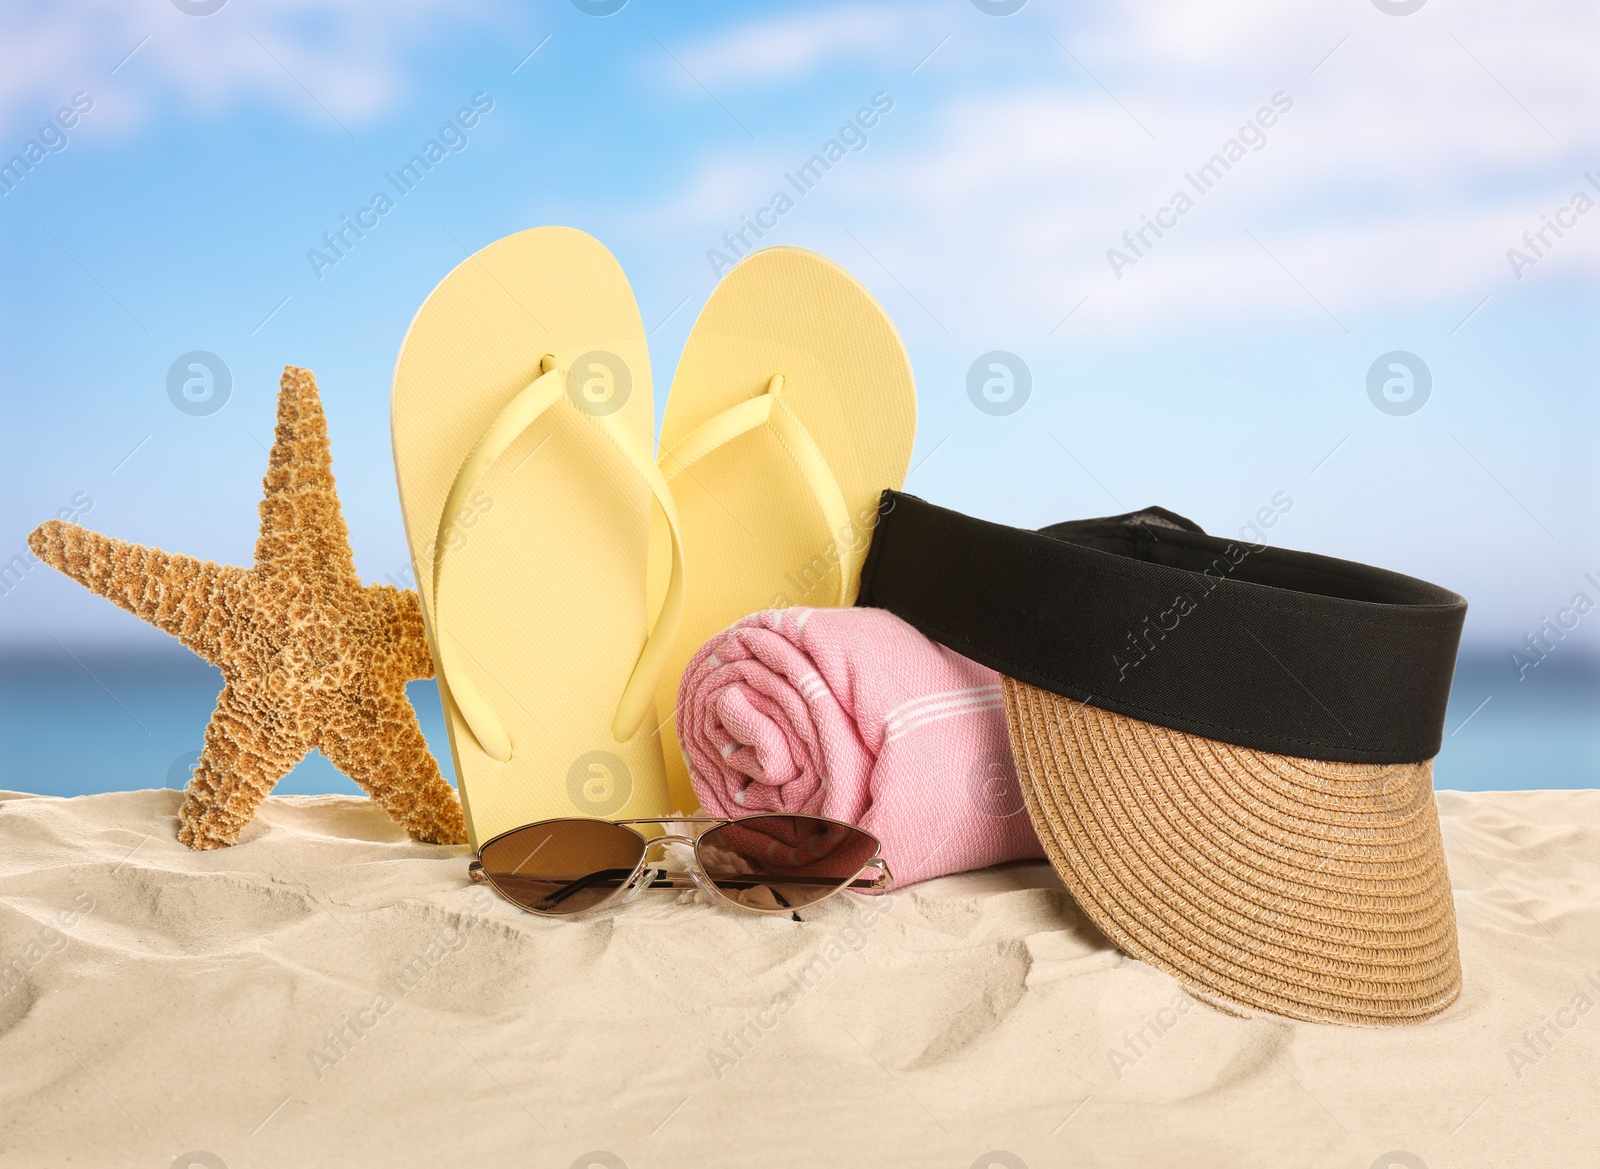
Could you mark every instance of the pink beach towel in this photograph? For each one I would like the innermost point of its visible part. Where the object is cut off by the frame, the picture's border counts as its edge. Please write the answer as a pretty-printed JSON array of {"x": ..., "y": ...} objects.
[{"x": 853, "y": 714}]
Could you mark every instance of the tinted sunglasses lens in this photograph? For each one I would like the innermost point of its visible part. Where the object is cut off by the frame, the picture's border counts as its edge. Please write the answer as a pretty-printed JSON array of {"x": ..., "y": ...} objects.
[
  {"x": 783, "y": 862},
  {"x": 562, "y": 866}
]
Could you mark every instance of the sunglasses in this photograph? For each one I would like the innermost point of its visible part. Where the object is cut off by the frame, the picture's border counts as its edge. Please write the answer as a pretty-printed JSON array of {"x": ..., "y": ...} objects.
[{"x": 766, "y": 863}]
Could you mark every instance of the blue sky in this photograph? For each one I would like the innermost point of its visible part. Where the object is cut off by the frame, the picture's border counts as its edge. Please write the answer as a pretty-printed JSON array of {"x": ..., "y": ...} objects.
[{"x": 1225, "y": 365}]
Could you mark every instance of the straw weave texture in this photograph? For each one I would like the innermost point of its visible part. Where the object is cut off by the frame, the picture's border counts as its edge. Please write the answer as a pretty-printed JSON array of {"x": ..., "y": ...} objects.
[{"x": 1310, "y": 889}]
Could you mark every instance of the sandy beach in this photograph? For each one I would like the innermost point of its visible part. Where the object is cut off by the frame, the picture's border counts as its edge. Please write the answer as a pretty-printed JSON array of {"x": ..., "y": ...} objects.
[{"x": 329, "y": 991}]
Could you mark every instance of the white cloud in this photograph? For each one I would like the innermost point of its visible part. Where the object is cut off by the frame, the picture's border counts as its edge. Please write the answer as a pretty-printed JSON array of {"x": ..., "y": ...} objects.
[
  {"x": 1400, "y": 177},
  {"x": 334, "y": 62},
  {"x": 794, "y": 44}
]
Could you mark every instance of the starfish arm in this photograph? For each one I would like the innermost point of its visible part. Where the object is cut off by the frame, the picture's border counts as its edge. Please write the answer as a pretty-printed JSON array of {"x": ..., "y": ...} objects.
[
  {"x": 303, "y": 532},
  {"x": 248, "y": 748},
  {"x": 378, "y": 743},
  {"x": 188, "y": 598},
  {"x": 403, "y": 634}
]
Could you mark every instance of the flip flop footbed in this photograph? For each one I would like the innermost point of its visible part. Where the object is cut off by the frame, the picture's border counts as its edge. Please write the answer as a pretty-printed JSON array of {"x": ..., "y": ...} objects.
[
  {"x": 534, "y": 590},
  {"x": 755, "y": 534}
]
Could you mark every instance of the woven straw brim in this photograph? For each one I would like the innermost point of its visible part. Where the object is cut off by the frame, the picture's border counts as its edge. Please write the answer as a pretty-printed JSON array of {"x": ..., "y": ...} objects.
[{"x": 1309, "y": 889}]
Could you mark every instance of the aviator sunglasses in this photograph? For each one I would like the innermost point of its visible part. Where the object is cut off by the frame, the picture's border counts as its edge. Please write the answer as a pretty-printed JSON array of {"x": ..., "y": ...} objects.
[{"x": 767, "y": 863}]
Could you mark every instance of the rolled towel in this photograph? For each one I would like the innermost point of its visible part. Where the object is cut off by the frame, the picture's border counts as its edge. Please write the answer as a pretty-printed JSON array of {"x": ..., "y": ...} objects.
[{"x": 853, "y": 714}]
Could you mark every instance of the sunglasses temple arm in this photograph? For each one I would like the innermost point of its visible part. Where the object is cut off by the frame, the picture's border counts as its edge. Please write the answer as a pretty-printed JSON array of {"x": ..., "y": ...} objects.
[
  {"x": 746, "y": 880},
  {"x": 571, "y": 888},
  {"x": 668, "y": 880}
]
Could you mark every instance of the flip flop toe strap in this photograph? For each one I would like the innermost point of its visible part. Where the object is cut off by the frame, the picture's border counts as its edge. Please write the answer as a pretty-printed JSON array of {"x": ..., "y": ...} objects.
[
  {"x": 769, "y": 408},
  {"x": 463, "y": 692}
]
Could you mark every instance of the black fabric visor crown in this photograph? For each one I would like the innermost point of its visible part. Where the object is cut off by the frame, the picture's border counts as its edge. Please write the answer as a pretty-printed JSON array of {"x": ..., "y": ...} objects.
[{"x": 1145, "y": 615}]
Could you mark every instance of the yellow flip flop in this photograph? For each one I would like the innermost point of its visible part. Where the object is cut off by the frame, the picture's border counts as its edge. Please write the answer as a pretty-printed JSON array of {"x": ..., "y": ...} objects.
[
  {"x": 792, "y": 408},
  {"x": 522, "y": 415}
]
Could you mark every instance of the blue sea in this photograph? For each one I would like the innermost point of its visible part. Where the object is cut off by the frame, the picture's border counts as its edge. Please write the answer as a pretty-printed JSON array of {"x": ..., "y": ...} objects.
[{"x": 71, "y": 725}]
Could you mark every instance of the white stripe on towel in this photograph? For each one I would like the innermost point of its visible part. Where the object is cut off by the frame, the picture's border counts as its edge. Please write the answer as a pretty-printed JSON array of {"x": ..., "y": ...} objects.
[
  {"x": 812, "y": 686},
  {"x": 976, "y": 706},
  {"x": 914, "y": 706},
  {"x": 933, "y": 707}
]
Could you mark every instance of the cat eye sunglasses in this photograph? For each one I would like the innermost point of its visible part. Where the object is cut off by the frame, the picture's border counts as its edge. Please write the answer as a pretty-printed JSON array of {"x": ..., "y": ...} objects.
[{"x": 767, "y": 863}]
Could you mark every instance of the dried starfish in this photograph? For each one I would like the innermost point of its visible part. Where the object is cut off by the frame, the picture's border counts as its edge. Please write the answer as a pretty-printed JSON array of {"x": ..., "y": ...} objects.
[{"x": 309, "y": 656}]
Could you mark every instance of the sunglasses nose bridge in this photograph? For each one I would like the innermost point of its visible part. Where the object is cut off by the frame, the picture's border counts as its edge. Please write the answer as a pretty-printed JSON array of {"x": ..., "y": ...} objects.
[
  {"x": 671, "y": 851},
  {"x": 672, "y": 838}
]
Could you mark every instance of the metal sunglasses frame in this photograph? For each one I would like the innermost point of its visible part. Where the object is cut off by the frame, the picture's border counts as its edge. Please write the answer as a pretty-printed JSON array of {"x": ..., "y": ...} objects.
[{"x": 696, "y": 876}]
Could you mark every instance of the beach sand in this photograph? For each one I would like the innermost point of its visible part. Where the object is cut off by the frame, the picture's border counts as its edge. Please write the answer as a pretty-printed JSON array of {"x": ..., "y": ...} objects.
[{"x": 160, "y": 1002}]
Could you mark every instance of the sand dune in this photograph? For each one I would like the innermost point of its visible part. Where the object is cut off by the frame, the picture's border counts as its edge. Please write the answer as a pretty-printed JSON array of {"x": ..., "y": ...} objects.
[{"x": 330, "y": 993}]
